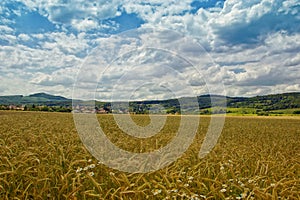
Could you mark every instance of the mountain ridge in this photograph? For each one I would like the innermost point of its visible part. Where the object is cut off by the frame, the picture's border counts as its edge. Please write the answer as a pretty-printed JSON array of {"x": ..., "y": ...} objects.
[
  {"x": 48, "y": 96},
  {"x": 44, "y": 94}
]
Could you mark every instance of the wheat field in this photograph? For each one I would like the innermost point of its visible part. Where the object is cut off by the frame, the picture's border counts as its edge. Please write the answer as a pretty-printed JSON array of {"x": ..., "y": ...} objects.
[{"x": 42, "y": 157}]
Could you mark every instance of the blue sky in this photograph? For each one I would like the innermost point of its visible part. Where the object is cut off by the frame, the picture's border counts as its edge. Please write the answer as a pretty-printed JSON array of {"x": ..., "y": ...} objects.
[{"x": 253, "y": 45}]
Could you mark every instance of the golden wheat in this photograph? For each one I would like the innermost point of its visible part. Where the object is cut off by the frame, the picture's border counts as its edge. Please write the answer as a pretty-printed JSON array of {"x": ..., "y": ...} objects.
[{"x": 42, "y": 157}]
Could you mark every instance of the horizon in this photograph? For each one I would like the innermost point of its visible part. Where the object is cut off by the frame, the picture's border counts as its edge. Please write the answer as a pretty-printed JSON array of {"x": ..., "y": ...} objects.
[{"x": 120, "y": 101}]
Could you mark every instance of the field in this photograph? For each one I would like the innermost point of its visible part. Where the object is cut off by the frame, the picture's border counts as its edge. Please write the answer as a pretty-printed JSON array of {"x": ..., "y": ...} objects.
[{"x": 42, "y": 157}]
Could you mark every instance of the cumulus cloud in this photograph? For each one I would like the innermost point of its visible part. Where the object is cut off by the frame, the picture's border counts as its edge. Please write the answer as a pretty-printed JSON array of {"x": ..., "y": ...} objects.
[
  {"x": 68, "y": 44},
  {"x": 63, "y": 77},
  {"x": 83, "y": 15},
  {"x": 123, "y": 63},
  {"x": 6, "y": 29},
  {"x": 153, "y": 11},
  {"x": 23, "y": 37},
  {"x": 85, "y": 24},
  {"x": 269, "y": 65},
  {"x": 26, "y": 58},
  {"x": 53, "y": 64}
]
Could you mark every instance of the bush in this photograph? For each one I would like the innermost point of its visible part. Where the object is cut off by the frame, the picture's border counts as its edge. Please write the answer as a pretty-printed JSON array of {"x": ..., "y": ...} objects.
[
  {"x": 263, "y": 114},
  {"x": 45, "y": 109}
]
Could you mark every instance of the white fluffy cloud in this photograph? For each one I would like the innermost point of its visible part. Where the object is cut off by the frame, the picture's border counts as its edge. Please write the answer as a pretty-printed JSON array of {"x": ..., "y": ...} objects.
[
  {"x": 52, "y": 65},
  {"x": 153, "y": 11},
  {"x": 258, "y": 38},
  {"x": 85, "y": 24},
  {"x": 157, "y": 60},
  {"x": 63, "y": 77},
  {"x": 23, "y": 37},
  {"x": 271, "y": 65},
  {"x": 25, "y": 58},
  {"x": 68, "y": 44},
  {"x": 82, "y": 15},
  {"x": 5, "y": 29}
]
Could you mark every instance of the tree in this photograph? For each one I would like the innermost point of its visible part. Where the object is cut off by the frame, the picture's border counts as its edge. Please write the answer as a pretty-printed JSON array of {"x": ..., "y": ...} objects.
[
  {"x": 45, "y": 109},
  {"x": 297, "y": 112}
]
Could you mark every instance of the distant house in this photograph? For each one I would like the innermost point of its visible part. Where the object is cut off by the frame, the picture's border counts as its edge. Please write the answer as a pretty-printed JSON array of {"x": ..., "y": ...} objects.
[
  {"x": 14, "y": 107},
  {"x": 102, "y": 111}
]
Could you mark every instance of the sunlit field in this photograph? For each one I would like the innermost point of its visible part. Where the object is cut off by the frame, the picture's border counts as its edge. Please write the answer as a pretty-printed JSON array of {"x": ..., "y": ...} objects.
[{"x": 42, "y": 157}]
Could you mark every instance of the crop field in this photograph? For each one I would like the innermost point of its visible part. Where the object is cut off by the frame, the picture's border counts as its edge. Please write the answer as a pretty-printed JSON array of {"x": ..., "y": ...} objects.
[{"x": 42, "y": 157}]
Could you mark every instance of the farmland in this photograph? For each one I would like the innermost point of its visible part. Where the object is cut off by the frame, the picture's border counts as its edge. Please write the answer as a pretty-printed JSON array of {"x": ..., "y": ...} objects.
[{"x": 42, "y": 157}]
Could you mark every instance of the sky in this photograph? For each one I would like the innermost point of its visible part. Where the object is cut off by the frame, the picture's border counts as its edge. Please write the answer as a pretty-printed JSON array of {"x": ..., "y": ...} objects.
[{"x": 149, "y": 49}]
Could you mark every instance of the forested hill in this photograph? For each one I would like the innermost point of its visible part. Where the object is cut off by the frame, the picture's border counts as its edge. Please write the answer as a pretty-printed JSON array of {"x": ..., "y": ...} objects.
[
  {"x": 38, "y": 98},
  {"x": 267, "y": 102}
]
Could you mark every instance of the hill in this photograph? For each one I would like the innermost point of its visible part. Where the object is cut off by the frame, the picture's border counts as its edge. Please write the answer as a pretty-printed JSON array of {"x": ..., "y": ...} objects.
[
  {"x": 268, "y": 102},
  {"x": 48, "y": 97},
  {"x": 246, "y": 105},
  {"x": 38, "y": 98}
]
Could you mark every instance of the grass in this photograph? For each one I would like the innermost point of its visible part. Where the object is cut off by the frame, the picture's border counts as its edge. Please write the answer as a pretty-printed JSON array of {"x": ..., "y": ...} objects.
[
  {"x": 42, "y": 157},
  {"x": 285, "y": 112},
  {"x": 255, "y": 112},
  {"x": 242, "y": 111}
]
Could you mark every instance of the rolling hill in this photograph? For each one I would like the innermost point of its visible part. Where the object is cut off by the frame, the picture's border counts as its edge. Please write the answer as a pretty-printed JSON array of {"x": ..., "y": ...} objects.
[
  {"x": 38, "y": 98},
  {"x": 257, "y": 104}
]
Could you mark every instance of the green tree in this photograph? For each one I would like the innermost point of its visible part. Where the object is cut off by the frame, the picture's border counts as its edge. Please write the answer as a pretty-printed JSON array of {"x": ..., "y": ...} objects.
[
  {"x": 297, "y": 112},
  {"x": 45, "y": 109}
]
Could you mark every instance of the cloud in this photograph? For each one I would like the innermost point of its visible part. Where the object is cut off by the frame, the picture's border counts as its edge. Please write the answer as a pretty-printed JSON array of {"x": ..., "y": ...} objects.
[
  {"x": 6, "y": 29},
  {"x": 25, "y": 58},
  {"x": 237, "y": 23},
  {"x": 252, "y": 21},
  {"x": 23, "y": 37},
  {"x": 51, "y": 64},
  {"x": 68, "y": 44},
  {"x": 15, "y": 85},
  {"x": 294, "y": 61},
  {"x": 153, "y": 57},
  {"x": 152, "y": 11},
  {"x": 8, "y": 39},
  {"x": 273, "y": 63},
  {"x": 80, "y": 14},
  {"x": 63, "y": 77},
  {"x": 85, "y": 24}
]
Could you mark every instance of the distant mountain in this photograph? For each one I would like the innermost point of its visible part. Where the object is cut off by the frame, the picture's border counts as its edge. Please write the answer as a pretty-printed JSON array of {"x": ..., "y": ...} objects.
[
  {"x": 267, "y": 102},
  {"x": 13, "y": 99},
  {"x": 48, "y": 97},
  {"x": 38, "y": 98}
]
